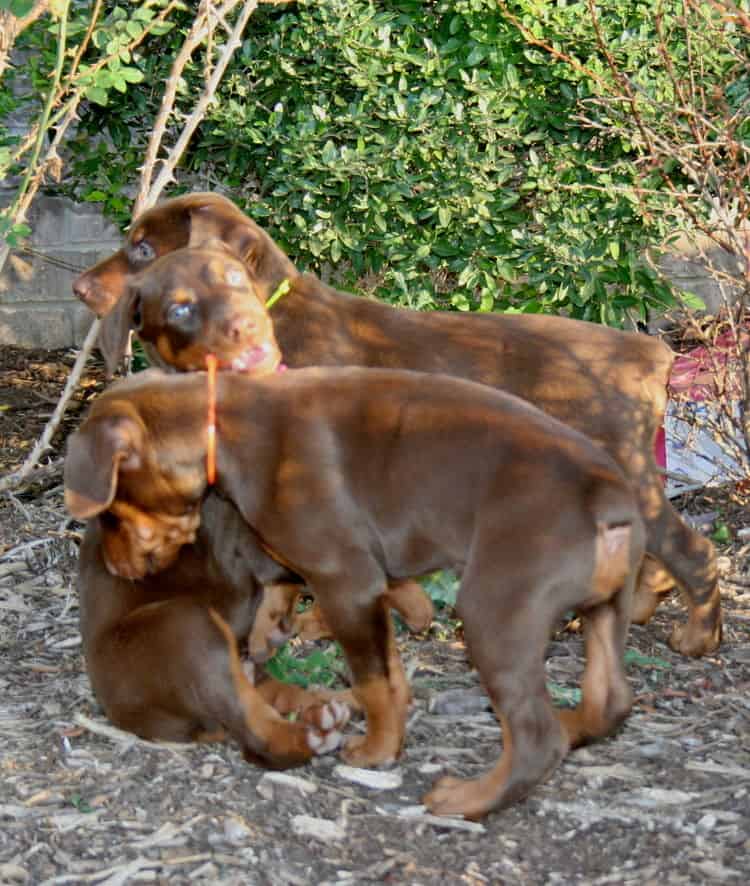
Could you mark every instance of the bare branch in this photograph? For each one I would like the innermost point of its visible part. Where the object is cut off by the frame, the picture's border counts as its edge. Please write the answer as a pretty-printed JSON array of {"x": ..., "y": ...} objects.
[{"x": 149, "y": 191}]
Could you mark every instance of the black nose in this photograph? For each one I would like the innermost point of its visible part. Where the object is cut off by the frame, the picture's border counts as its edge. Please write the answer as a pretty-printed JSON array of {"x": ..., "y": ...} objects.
[{"x": 239, "y": 328}]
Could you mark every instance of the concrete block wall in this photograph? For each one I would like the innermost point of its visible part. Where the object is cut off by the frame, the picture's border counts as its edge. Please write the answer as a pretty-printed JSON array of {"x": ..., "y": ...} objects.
[
  {"x": 38, "y": 309},
  {"x": 37, "y": 306}
]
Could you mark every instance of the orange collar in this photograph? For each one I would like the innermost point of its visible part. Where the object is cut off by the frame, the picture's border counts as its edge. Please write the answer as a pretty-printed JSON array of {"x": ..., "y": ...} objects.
[
  {"x": 211, "y": 368},
  {"x": 211, "y": 363}
]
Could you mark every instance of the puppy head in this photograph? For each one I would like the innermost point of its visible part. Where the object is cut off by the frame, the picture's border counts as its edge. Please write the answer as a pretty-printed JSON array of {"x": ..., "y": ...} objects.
[
  {"x": 199, "y": 301},
  {"x": 148, "y": 504},
  {"x": 273, "y": 622},
  {"x": 189, "y": 220}
]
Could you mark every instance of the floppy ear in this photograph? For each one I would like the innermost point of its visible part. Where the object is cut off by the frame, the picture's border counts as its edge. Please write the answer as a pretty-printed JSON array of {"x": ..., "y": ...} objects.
[
  {"x": 266, "y": 262},
  {"x": 114, "y": 333},
  {"x": 96, "y": 453}
]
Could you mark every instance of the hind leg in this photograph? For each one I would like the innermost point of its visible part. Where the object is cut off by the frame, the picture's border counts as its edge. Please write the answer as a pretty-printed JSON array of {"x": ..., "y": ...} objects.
[
  {"x": 506, "y": 643},
  {"x": 653, "y": 583},
  {"x": 606, "y": 695},
  {"x": 691, "y": 559}
]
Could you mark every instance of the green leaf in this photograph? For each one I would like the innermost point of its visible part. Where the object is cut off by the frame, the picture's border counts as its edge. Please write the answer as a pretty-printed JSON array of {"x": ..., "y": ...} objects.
[
  {"x": 132, "y": 75},
  {"x": 444, "y": 216},
  {"x": 97, "y": 95},
  {"x": 18, "y": 8},
  {"x": 633, "y": 657},
  {"x": 329, "y": 154},
  {"x": 134, "y": 28},
  {"x": 722, "y": 533},
  {"x": 692, "y": 301},
  {"x": 477, "y": 54}
]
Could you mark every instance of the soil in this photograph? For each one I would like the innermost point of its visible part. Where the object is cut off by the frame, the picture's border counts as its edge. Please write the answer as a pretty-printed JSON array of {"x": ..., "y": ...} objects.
[{"x": 665, "y": 801}]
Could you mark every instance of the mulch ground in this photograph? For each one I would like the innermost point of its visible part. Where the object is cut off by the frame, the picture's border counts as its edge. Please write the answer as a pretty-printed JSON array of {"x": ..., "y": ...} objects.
[{"x": 665, "y": 801}]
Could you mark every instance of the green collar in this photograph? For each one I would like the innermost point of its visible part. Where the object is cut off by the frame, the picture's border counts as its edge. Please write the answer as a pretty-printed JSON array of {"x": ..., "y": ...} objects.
[{"x": 280, "y": 291}]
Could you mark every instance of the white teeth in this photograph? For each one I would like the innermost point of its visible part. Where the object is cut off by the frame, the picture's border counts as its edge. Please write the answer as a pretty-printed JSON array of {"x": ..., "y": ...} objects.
[
  {"x": 250, "y": 358},
  {"x": 145, "y": 533}
]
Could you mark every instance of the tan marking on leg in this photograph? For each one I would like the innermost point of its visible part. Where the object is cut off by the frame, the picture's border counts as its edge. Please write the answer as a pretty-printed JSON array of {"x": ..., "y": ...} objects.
[
  {"x": 286, "y": 698},
  {"x": 411, "y": 602},
  {"x": 275, "y": 611},
  {"x": 606, "y": 696},
  {"x": 654, "y": 582},
  {"x": 278, "y": 735},
  {"x": 611, "y": 561},
  {"x": 385, "y": 701}
]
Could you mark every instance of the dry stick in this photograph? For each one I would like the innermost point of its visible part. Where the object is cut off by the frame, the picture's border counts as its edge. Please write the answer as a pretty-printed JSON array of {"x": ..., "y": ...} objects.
[
  {"x": 83, "y": 45},
  {"x": 197, "y": 32},
  {"x": 148, "y": 194}
]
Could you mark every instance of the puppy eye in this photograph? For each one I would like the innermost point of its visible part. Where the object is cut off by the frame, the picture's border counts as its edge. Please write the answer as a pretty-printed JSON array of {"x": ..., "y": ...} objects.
[
  {"x": 181, "y": 313},
  {"x": 137, "y": 319},
  {"x": 143, "y": 252},
  {"x": 234, "y": 277}
]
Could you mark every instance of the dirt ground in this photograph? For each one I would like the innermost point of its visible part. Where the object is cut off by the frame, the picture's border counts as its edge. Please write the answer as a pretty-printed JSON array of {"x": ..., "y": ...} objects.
[{"x": 665, "y": 801}]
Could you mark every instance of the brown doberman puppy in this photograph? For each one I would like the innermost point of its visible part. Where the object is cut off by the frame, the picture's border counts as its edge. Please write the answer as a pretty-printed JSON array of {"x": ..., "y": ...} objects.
[
  {"x": 163, "y": 653},
  {"x": 350, "y": 477},
  {"x": 607, "y": 384}
]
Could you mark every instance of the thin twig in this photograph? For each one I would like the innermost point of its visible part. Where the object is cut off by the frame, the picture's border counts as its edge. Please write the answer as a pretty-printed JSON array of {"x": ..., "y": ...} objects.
[{"x": 198, "y": 113}]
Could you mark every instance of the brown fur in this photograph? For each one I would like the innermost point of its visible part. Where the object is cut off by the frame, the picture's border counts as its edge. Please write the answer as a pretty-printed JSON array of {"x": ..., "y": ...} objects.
[
  {"x": 607, "y": 384},
  {"x": 162, "y": 652},
  {"x": 342, "y": 475}
]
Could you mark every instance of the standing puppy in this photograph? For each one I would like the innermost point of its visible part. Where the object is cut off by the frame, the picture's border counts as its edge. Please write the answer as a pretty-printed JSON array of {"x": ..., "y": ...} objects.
[{"x": 353, "y": 477}]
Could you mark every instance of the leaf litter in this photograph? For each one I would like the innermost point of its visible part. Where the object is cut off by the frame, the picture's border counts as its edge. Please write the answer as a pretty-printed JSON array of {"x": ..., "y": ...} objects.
[{"x": 664, "y": 801}]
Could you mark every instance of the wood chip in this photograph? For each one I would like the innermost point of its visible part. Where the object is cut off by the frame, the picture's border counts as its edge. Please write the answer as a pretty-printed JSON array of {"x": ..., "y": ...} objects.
[
  {"x": 376, "y": 779},
  {"x": 318, "y": 828}
]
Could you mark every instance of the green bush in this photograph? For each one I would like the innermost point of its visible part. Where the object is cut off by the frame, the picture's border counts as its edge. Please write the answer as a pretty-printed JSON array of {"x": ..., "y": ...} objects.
[
  {"x": 424, "y": 146},
  {"x": 423, "y": 150}
]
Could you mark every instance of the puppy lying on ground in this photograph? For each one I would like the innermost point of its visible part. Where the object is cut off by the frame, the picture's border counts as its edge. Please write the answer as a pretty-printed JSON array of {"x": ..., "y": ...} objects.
[
  {"x": 607, "y": 384},
  {"x": 163, "y": 652},
  {"x": 350, "y": 477}
]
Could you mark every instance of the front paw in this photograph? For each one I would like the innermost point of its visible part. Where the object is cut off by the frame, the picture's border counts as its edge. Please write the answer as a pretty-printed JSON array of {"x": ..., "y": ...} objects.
[
  {"x": 362, "y": 752},
  {"x": 325, "y": 723},
  {"x": 457, "y": 796},
  {"x": 695, "y": 641}
]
